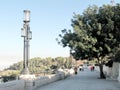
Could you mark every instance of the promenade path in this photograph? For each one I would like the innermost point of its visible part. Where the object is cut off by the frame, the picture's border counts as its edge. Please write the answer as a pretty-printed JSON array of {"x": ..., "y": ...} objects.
[{"x": 84, "y": 80}]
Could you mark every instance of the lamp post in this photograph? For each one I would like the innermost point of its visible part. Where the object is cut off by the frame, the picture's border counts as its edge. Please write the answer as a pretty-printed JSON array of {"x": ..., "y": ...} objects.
[{"x": 27, "y": 36}]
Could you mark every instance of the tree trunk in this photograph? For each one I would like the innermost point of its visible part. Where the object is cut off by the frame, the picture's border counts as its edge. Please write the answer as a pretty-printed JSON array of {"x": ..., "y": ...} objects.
[{"x": 102, "y": 76}]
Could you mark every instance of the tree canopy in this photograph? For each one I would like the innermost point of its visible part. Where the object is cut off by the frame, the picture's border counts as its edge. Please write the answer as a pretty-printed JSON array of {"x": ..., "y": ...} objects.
[{"x": 96, "y": 33}]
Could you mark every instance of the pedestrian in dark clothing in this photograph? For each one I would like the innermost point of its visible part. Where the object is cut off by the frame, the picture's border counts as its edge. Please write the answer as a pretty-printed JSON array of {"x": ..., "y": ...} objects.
[
  {"x": 75, "y": 69},
  {"x": 92, "y": 68}
]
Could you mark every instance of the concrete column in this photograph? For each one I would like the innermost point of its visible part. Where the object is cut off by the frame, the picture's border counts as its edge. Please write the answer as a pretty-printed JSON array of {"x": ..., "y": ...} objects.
[
  {"x": 115, "y": 71},
  {"x": 29, "y": 81},
  {"x": 119, "y": 73},
  {"x": 108, "y": 75}
]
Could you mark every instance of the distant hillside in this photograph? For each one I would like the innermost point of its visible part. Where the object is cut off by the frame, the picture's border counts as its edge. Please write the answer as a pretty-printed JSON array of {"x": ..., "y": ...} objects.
[{"x": 38, "y": 65}]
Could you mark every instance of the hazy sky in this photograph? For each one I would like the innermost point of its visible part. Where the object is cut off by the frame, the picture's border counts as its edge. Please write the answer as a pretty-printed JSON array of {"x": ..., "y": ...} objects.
[{"x": 48, "y": 18}]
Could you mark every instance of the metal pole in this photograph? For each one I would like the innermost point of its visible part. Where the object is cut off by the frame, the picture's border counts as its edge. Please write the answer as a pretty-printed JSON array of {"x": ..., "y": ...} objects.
[
  {"x": 27, "y": 38},
  {"x": 24, "y": 66}
]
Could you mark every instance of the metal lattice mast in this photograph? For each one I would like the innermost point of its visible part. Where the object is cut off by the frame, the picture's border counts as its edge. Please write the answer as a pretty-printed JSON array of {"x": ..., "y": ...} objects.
[{"x": 112, "y": 2}]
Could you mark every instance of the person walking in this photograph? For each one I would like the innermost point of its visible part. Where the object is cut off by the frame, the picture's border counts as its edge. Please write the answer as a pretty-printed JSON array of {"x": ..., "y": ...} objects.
[
  {"x": 75, "y": 69},
  {"x": 92, "y": 68}
]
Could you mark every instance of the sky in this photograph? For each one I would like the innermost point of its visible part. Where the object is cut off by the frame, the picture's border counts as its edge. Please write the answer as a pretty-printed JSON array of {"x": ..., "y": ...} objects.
[{"x": 48, "y": 18}]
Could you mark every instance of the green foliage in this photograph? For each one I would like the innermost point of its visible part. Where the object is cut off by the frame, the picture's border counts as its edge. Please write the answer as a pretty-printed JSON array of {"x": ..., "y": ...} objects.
[
  {"x": 10, "y": 73},
  {"x": 117, "y": 56},
  {"x": 16, "y": 66},
  {"x": 38, "y": 65},
  {"x": 95, "y": 33}
]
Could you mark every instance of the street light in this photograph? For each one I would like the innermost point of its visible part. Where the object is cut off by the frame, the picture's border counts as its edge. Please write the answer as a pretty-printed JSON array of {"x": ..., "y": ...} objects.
[
  {"x": 27, "y": 35},
  {"x": 27, "y": 16}
]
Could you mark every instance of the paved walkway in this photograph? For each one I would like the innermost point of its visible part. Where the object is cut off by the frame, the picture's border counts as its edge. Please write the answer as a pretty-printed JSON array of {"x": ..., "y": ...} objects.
[{"x": 84, "y": 80}]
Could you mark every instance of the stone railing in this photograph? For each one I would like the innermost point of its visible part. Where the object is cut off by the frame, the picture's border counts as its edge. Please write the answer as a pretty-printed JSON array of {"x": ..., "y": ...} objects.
[
  {"x": 29, "y": 82},
  {"x": 40, "y": 81},
  {"x": 13, "y": 85}
]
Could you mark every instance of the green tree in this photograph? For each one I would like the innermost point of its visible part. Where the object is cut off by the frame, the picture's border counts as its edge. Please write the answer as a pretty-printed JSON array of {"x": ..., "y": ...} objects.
[
  {"x": 37, "y": 65},
  {"x": 95, "y": 34}
]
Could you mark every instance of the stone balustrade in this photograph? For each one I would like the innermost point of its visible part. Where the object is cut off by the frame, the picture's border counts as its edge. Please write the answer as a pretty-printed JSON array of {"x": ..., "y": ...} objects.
[
  {"x": 13, "y": 85},
  {"x": 29, "y": 82}
]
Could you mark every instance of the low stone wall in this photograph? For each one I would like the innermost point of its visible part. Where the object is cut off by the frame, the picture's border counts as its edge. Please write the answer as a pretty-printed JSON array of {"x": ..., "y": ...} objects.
[
  {"x": 40, "y": 81},
  {"x": 33, "y": 83},
  {"x": 13, "y": 85}
]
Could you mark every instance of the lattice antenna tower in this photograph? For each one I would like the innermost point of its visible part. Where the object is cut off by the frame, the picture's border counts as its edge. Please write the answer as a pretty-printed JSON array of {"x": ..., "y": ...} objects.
[{"x": 113, "y": 2}]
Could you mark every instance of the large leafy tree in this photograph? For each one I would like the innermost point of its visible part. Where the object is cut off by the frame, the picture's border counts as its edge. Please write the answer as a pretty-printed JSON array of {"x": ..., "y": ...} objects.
[{"x": 95, "y": 33}]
